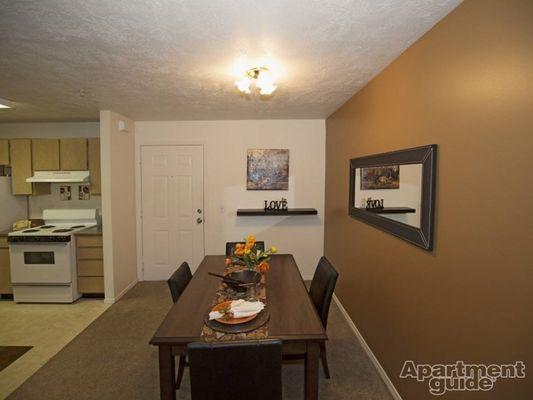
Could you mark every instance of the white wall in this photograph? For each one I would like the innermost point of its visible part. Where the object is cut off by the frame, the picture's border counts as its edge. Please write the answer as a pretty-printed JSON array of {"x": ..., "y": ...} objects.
[
  {"x": 118, "y": 205},
  {"x": 52, "y": 200},
  {"x": 54, "y": 130},
  {"x": 12, "y": 208},
  {"x": 225, "y": 148}
]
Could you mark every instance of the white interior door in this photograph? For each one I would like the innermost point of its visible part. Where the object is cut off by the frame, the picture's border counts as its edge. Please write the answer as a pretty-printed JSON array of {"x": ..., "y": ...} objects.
[{"x": 172, "y": 208}]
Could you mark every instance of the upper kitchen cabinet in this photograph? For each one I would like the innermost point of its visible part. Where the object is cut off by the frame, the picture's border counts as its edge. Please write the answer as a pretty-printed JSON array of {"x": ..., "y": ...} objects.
[
  {"x": 21, "y": 169},
  {"x": 4, "y": 152},
  {"x": 73, "y": 154},
  {"x": 20, "y": 152},
  {"x": 45, "y": 154},
  {"x": 94, "y": 165}
]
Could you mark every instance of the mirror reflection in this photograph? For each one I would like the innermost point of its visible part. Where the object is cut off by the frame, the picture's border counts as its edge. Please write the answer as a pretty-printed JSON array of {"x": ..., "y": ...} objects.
[{"x": 391, "y": 191}]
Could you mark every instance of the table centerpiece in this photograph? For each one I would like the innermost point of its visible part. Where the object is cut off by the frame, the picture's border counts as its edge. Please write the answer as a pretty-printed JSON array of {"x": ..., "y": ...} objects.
[{"x": 250, "y": 256}]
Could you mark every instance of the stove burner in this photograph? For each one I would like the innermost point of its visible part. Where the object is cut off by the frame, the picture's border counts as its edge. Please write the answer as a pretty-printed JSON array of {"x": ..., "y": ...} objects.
[
  {"x": 30, "y": 230},
  {"x": 47, "y": 227},
  {"x": 77, "y": 226},
  {"x": 62, "y": 230}
]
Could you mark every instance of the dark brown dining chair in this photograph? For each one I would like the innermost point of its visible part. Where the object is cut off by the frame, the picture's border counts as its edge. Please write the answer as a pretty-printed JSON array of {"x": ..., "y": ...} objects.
[
  {"x": 177, "y": 284},
  {"x": 235, "y": 370},
  {"x": 179, "y": 280},
  {"x": 231, "y": 245},
  {"x": 321, "y": 293}
]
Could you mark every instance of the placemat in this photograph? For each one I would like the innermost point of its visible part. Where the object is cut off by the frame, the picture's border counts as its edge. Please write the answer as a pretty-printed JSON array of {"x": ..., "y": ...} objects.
[{"x": 225, "y": 293}]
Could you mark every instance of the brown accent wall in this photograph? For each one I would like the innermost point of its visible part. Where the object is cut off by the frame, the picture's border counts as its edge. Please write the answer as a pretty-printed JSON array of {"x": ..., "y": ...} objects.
[{"x": 467, "y": 85}]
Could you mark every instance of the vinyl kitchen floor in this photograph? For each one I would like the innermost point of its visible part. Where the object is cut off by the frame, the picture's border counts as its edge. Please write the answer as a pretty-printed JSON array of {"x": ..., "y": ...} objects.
[{"x": 46, "y": 327}]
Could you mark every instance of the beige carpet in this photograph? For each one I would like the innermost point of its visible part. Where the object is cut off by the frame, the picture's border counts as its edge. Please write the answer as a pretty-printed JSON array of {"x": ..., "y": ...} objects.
[{"x": 112, "y": 359}]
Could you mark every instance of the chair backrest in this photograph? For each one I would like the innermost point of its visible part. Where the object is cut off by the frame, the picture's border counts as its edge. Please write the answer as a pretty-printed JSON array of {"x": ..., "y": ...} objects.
[
  {"x": 235, "y": 370},
  {"x": 179, "y": 281},
  {"x": 322, "y": 288},
  {"x": 231, "y": 245}
]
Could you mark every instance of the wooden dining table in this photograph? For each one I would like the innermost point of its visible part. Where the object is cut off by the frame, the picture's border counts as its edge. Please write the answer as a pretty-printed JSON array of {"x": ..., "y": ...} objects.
[{"x": 293, "y": 319}]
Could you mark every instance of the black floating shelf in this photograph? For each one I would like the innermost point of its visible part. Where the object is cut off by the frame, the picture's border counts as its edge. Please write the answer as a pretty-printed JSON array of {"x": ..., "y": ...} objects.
[
  {"x": 392, "y": 210},
  {"x": 254, "y": 212}
]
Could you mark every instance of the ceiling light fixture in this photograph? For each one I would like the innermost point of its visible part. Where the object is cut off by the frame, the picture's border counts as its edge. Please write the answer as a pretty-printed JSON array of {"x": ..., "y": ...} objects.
[
  {"x": 5, "y": 103},
  {"x": 263, "y": 80}
]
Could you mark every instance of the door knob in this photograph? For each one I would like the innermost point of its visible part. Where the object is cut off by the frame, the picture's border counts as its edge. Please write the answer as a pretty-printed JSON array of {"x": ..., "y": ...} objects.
[
  {"x": 199, "y": 221},
  {"x": 199, "y": 211}
]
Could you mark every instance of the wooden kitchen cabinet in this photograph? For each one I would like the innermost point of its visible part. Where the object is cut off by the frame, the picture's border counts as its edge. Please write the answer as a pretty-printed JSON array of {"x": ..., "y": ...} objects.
[
  {"x": 45, "y": 154},
  {"x": 21, "y": 169},
  {"x": 93, "y": 145},
  {"x": 5, "y": 272},
  {"x": 90, "y": 268},
  {"x": 90, "y": 253},
  {"x": 73, "y": 154},
  {"x": 4, "y": 152},
  {"x": 91, "y": 284},
  {"x": 90, "y": 263},
  {"x": 20, "y": 153},
  {"x": 90, "y": 241}
]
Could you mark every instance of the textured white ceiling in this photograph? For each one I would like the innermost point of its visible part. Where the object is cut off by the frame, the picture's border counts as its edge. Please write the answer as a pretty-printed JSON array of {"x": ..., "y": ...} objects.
[{"x": 64, "y": 60}]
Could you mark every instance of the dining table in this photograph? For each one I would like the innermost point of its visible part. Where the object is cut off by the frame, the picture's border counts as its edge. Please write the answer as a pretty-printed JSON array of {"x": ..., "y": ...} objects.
[{"x": 293, "y": 319}]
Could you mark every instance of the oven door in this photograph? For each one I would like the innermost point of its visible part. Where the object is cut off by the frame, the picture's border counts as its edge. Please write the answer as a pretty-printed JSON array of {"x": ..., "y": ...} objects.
[{"x": 46, "y": 263}]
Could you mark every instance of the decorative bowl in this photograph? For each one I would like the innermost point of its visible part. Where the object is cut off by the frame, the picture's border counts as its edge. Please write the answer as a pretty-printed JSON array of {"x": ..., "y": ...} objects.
[{"x": 248, "y": 277}]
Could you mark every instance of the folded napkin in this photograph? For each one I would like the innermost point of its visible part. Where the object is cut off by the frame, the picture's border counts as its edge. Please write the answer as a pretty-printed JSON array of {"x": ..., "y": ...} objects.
[{"x": 240, "y": 309}]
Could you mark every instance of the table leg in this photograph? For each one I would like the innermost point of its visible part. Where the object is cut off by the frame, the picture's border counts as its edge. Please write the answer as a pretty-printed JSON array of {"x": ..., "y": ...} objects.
[
  {"x": 166, "y": 373},
  {"x": 311, "y": 371}
]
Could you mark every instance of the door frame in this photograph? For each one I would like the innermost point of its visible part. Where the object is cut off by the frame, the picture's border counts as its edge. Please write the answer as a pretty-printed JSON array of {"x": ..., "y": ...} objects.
[{"x": 138, "y": 191}]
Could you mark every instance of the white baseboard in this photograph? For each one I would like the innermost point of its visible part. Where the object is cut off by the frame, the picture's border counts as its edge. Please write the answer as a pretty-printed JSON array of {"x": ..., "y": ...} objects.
[
  {"x": 117, "y": 298},
  {"x": 386, "y": 380}
]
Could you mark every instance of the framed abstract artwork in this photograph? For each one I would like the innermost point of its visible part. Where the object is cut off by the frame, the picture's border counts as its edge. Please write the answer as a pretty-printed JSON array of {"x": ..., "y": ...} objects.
[
  {"x": 376, "y": 178},
  {"x": 267, "y": 169}
]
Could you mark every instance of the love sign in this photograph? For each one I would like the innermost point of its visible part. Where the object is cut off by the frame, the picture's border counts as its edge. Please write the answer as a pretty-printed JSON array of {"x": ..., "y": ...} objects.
[
  {"x": 276, "y": 205},
  {"x": 374, "y": 204}
]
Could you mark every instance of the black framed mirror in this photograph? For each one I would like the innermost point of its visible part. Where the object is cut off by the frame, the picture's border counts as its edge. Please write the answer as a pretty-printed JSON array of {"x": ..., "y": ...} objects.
[{"x": 395, "y": 192}]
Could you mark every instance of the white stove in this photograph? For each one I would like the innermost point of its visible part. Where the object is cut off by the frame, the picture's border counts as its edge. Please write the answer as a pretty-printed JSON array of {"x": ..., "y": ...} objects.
[{"x": 43, "y": 258}]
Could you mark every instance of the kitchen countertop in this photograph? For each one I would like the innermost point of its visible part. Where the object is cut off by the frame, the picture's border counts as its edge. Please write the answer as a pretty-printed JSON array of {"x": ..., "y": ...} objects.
[
  {"x": 93, "y": 231},
  {"x": 34, "y": 222}
]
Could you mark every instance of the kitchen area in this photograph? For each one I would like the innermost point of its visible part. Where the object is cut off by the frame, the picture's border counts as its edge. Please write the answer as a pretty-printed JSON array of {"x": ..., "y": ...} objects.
[
  {"x": 51, "y": 247},
  {"x": 51, "y": 240}
]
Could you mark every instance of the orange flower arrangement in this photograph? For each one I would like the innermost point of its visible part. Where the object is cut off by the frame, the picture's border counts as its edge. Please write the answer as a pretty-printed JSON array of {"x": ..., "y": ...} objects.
[
  {"x": 264, "y": 267},
  {"x": 248, "y": 254}
]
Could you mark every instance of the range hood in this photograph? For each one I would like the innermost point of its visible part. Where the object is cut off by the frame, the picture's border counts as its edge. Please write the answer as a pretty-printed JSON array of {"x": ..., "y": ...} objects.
[{"x": 59, "y": 176}]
